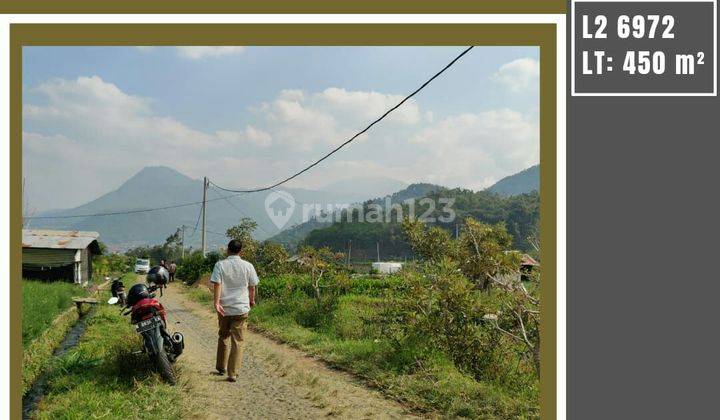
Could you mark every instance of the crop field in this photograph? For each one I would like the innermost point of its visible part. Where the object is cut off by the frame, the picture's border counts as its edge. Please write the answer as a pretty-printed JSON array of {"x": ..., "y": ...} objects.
[
  {"x": 42, "y": 303},
  {"x": 352, "y": 327}
]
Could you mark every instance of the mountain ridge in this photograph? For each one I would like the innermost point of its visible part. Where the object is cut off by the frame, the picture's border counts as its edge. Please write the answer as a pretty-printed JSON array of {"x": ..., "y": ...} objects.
[
  {"x": 525, "y": 181},
  {"x": 162, "y": 186}
]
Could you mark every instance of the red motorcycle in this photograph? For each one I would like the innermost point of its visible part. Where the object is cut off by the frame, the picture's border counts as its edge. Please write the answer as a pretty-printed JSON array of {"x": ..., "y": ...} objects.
[{"x": 149, "y": 317}]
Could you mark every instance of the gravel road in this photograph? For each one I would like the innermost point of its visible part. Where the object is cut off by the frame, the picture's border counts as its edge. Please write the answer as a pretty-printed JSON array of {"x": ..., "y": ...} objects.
[{"x": 275, "y": 382}]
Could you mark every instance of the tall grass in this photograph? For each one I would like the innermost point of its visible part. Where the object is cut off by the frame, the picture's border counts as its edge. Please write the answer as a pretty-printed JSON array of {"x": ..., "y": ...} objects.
[
  {"x": 42, "y": 303},
  {"x": 103, "y": 378}
]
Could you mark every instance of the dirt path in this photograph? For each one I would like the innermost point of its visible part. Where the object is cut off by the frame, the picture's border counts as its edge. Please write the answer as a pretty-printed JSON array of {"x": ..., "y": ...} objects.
[{"x": 275, "y": 381}]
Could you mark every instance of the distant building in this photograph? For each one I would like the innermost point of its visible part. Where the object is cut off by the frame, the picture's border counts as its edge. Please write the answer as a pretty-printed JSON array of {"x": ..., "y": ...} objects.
[
  {"x": 527, "y": 265},
  {"x": 59, "y": 255},
  {"x": 387, "y": 267}
]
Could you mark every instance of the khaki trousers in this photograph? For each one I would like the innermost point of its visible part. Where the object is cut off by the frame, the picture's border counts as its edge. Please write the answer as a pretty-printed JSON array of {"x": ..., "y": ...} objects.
[{"x": 231, "y": 327}]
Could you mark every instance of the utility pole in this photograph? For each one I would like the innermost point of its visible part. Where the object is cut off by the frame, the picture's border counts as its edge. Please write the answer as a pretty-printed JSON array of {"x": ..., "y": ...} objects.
[
  {"x": 204, "y": 210},
  {"x": 378, "y": 250},
  {"x": 349, "y": 251},
  {"x": 182, "y": 242},
  {"x": 457, "y": 231}
]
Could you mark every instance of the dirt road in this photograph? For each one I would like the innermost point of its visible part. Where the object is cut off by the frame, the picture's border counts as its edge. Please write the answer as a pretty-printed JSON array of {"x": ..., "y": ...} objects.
[{"x": 275, "y": 381}]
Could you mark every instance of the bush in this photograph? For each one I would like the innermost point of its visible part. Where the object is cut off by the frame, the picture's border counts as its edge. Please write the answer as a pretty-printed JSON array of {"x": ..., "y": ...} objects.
[
  {"x": 194, "y": 266},
  {"x": 441, "y": 309},
  {"x": 109, "y": 264},
  {"x": 339, "y": 284}
]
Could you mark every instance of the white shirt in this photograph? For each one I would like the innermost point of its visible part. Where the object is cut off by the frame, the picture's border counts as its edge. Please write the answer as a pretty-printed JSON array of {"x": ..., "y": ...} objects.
[{"x": 234, "y": 275}]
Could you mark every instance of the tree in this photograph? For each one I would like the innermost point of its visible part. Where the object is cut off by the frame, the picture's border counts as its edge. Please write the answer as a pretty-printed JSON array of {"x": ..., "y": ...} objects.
[
  {"x": 431, "y": 244},
  {"x": 243, "y": 232},
  {"x": 172, "y": 249},
  {"x": 272, "y": 258},
  {"x": 484, "y": 256},
  {"x": 318, "y": 263},
  {"x": 485, "y": 252}
]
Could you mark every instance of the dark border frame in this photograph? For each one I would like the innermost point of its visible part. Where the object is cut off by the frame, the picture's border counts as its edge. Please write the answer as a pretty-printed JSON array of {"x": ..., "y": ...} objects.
[{"x": 542, "y": 35}]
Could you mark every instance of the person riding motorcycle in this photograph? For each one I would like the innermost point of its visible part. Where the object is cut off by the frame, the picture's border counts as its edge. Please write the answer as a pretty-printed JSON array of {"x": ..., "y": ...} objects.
[{"x": 159, "y": 276}]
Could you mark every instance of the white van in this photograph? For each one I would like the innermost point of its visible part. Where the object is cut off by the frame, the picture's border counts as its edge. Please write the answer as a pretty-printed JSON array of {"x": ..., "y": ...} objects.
[{"x": 142, "y": 266}]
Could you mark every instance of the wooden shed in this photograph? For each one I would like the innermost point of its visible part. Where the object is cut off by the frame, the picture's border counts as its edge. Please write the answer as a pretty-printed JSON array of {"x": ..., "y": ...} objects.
[{"x": 59, "y": 254}]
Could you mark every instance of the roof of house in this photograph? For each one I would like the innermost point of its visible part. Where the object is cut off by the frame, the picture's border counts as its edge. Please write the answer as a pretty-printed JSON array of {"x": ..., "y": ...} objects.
[
  {"x": 525, "y": 259},
  {"x": 60, "y": 239}
]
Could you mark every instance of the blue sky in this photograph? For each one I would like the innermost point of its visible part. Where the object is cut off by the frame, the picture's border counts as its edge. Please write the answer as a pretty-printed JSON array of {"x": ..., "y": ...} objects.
[{"x": 93, "y": 116}]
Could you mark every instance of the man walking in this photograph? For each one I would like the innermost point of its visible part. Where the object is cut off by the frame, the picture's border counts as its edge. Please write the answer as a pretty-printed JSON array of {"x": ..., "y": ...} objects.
[
  {"x": 234, "y": 281},
  {"x": 172, "y": 268}
]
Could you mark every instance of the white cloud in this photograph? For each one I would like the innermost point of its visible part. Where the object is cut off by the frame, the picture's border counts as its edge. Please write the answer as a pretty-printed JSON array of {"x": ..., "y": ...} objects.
[
  {"x": 304, "y": 120},
  {"x": 519, "y": 75},
  {"x": 475, "y": 150},
  {"x": 89, "y": 134},
  {"x": 196, "y": 53},
  {"x": 249, "y": 135}
]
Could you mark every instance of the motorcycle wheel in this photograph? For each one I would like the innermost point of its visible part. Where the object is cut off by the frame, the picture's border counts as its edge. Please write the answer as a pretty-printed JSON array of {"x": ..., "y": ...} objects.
[{"x": 163, "y": 364}]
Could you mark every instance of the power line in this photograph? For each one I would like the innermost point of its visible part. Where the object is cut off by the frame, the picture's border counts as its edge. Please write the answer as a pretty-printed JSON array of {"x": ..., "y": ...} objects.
[
  {"x": 119, "y": 212},
  {"x": 227, "y": 199},
  {"x": 277, "y": 184},
  {"x": 361, "y": 132},
  {"x": 197, "y": 222},
  {"x": 122, "y": 212}
]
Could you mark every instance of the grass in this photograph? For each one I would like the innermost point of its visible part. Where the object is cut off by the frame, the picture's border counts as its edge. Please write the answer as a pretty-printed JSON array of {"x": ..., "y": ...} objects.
[
  {"x": 200, "y": 295},
  {"x": 38, "y": 354},
  {"x": 42, "y": 303},
  {"x": 101, "y": 377},
  {"x": 346, "y": 334},
  {"x": 48, "y": 314}
]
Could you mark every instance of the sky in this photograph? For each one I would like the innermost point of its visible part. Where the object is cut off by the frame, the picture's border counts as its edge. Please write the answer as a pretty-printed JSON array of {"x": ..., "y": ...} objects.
[{"x": 249, "y": 116}]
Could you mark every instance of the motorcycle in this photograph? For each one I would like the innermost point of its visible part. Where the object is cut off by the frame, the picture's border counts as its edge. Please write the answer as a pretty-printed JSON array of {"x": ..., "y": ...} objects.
[
  {"x": 117, "y": 288},
  {"x": 149, "y": 317}
]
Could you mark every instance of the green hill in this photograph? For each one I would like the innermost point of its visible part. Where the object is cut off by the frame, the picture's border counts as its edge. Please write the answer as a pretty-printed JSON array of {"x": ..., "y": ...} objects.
[
  {"x": 519, "y": 183},
  {"x": 520, "y": 213},
  {"x": 296, "y": 234}
]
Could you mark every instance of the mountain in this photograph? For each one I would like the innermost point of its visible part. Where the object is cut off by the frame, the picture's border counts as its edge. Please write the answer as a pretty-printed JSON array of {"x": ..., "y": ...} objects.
[
  {"x": 160, "y": 186},
  {"x": 519, "y": 183},
  {"x": 361, "y": 188},
  {"x": 520, "y": 214},
  {"x": 292, "y": 236}
]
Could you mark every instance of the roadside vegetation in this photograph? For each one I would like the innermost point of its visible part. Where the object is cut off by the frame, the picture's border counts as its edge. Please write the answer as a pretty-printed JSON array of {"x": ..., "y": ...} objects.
[
  {"x": 103, "y": 378},
  {"x": 48, "y": 315},
  {"x": 42, "y": 303},
  {"x": 456, "y": 333}
]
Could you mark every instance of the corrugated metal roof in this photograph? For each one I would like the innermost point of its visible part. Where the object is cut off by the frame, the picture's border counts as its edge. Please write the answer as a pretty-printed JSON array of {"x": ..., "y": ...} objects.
[
  {"x": 59, "y": 239},
  {"x": 528, "y": 260}
]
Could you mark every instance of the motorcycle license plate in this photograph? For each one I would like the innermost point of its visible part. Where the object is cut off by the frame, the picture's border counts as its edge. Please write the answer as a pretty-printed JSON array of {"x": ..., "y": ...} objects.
[{"x": 147, "y": 324}]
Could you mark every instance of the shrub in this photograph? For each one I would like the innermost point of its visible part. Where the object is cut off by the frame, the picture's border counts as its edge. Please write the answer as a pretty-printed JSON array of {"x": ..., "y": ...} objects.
[
  {"x": 440, "y": 309},
  {"x": 194, "y": 266}
]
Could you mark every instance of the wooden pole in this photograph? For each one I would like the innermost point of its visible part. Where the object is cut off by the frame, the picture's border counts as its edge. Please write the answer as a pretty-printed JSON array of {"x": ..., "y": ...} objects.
[
  {"x": 204, "y": 210},
  {"x": 182, "y": 242}
]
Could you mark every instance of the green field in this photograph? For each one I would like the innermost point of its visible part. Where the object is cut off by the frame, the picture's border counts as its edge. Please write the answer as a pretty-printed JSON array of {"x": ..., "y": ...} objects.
[
  {"x": 42, "y": 303},
  {"x": 349, "y": 328},
  {"x": 102, "y": 378}
]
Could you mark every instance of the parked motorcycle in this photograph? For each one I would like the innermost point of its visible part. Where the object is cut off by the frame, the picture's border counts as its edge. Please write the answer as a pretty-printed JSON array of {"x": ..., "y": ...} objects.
[
  {"x": 117, "y": 288},
  {"x": 149, "y": 317}
]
